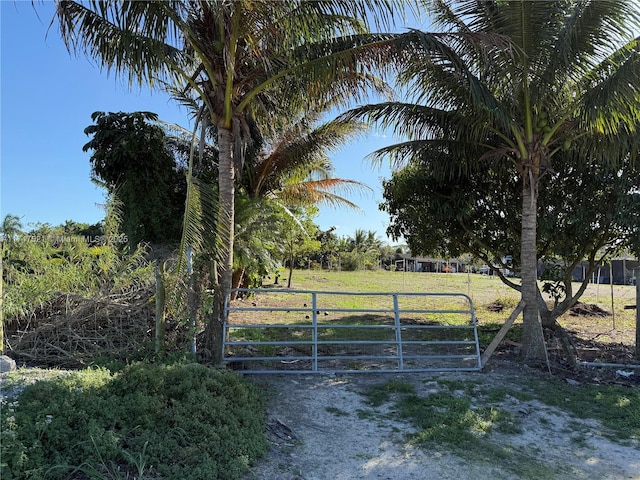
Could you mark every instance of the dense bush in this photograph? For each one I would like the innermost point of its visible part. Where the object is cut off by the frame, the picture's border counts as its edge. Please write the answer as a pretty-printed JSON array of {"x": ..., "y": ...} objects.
[
  {"x": 353, "y": 261},
  {"x": 39, "y": 265},
  {"x": 182, "y": 422}
]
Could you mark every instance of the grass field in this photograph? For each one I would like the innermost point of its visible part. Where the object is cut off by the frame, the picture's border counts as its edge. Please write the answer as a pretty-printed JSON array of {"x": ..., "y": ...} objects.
[{"x": 486, "y": 292}]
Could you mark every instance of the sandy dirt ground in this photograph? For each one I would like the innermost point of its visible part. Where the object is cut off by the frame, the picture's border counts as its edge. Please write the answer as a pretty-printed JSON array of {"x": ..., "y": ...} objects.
[{"x": 317, "y": 432}]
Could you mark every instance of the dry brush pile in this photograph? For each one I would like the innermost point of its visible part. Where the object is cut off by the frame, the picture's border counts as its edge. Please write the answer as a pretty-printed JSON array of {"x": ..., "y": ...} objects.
[{"x": 71, "y": 330}]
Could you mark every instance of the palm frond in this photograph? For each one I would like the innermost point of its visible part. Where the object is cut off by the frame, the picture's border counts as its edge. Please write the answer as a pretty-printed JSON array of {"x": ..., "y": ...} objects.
[
  {"x": 582, "y": 35},
  {"x": 407, "y": 119},
  {"x": 133, "y": 38},
  {"x": 199, "y": 219},
  {"x": 321, "y": 192},
  {"x": 611, "y": 99},
  {"x": 446, "y": 71}
]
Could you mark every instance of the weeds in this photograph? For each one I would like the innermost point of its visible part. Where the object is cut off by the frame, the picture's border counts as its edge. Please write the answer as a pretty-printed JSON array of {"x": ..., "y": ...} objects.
[
  {"x": 380, "y": 394},
  {"x": 468, "y": 418},
  {"x": 617, "y": 408},
  {"x": 336, "y": 411},
  {"x": 39, "y": 265}
]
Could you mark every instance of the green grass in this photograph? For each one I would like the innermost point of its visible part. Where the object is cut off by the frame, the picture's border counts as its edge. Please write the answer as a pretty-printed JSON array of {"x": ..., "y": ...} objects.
[
  {"x": 446, "y": 418},
  {"x": 486, "y": 293},
  {"x": 483, "y": 290},
  {"x": 449, "y": 419},
  {"x": 380, "y": 394},
  {"x": 337, "y": 412},
  {"x": 487, "y": 332},
  {"x": 465, "y": 416},
  {"x": 617, "y": 408},
  {"x": 371, "y": 312}
]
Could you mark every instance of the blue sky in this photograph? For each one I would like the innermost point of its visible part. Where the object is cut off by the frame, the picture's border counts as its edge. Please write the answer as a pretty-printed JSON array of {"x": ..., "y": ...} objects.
[{"x": 47, "y": 97}]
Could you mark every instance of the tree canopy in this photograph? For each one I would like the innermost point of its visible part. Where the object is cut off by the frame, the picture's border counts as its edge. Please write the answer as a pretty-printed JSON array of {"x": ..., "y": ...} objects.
[
  {"x": 584, "y": 213},
  {"x": 131, "y": 158}
]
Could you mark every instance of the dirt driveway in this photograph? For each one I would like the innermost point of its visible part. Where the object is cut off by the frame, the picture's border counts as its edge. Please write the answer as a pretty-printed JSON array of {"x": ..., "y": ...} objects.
[{"x": 322, "y": 428}]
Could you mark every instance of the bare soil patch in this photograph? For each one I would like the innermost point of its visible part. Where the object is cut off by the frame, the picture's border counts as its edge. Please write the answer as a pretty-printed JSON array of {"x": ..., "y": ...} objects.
[{"x": 321, "y": 428}]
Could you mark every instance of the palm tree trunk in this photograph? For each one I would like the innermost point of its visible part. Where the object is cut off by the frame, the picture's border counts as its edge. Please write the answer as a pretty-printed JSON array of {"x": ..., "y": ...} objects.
[
  {"x": 533, "y": 347},
  {"x": 225, "y": 232},
  {"x": 290, "y": 271}
]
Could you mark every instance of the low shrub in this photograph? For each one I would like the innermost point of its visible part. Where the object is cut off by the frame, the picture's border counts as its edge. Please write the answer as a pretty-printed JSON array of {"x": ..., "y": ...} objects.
[{"x": 181, "y": 421}]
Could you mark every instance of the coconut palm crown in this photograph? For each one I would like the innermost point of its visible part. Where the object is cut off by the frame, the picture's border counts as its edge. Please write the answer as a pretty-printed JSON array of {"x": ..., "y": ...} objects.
[{"x": 518, "y": 80}]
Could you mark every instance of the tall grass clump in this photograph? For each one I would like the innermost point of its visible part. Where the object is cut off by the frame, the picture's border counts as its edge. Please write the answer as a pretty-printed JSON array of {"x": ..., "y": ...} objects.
[{"x": 170, "y": 422}]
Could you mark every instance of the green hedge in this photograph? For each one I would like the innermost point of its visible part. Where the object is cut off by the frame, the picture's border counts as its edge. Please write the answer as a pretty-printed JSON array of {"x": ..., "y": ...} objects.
[{"x": 182, "y": 422}]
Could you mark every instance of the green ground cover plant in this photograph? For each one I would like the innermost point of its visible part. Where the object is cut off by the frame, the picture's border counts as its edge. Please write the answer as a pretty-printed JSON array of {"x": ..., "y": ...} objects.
[
  {"x": 175, "y": 422},
  {"x": 616, "y": 407}
]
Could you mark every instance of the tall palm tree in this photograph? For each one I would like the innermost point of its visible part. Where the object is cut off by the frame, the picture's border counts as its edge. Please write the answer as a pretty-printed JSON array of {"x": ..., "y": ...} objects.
[
  {"x": 519, "y": 80},
  {"x": 285, "y": 173},
  {"x": 10, "y": 228},
  {"x": 236, "y": 55},
  {"x": 293, "y": 166}
]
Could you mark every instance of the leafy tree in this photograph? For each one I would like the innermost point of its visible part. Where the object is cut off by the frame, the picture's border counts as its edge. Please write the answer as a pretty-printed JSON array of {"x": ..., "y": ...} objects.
[
  {"x": 244, "y": 59},
  {"x": 300, "y": 241},
  {"x": 329, "y": 241},
  {"x": 84, "y": 229},
  {"x": 521, "y": 81},
  {"x": 132, "y": 160},
  {"x": 584, "y": 213},
  {"x": 362, "y": 251}
]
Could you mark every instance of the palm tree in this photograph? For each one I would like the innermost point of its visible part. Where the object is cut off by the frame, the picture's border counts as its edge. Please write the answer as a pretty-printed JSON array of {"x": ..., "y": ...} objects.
[
  {"x": 366, "y": 246},
  {"x": 236, "y": 55},
  {"x": 283, "y": 172},
  {"x": 293, "y": 165},
  {"x": 10, "y": 229},
  {"x": 519, "y": 80},
  {"x": 292, "y": 171}
]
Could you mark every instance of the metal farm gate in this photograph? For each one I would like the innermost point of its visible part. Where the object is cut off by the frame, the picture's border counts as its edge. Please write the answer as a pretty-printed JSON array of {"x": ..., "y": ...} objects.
[{"x": 299, "y": 331}]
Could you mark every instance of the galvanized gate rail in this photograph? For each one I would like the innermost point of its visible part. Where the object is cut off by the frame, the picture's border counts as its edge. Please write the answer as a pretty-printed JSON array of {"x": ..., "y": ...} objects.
[{"x": 259, "y": 336}]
